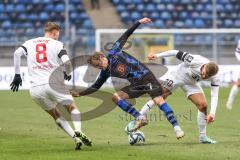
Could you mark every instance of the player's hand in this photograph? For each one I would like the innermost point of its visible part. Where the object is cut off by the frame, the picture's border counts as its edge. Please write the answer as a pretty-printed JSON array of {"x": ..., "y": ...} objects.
[
  {"x": 145, "y": 20},
  {"x": 74, "y": 93},
  {"x": 210, "y": 118},
  {"x": 152, "y": 56},
  {"x": 17, "y": 80},
  {"x": 67, "y": 77}
]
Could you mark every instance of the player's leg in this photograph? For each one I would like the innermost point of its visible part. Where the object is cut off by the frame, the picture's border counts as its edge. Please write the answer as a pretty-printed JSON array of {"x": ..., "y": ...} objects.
[
  {"x": 76, "y": 120},
  {"x": 234, "y": 91},
  {"x": 163, "y": 106},
  {"x": 196, "y": 95},
  {"x": 156, "y": 93},
  {"x": 120, "y": 99},
  {"x": 150, "y": 104},
  {"x": 169, "y": 83},
  {"x": 41, "y": 98},
  {"x": 66, "y": 100}
]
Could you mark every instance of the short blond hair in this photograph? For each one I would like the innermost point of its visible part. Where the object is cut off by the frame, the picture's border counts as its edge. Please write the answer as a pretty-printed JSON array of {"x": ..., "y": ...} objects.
[
  {"x": 95, "y": 59},
  {"x": 50, "y": 26},
  {"x": 212, "y": 69}
]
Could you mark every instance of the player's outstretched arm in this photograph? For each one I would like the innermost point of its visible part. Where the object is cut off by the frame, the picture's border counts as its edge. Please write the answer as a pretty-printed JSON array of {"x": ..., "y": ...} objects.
[
  {"x": 17, "y": 80},
  {"x": 97, "y": 85},
  {"x": 123, "y": 39},
  {"x": 154, "y": 56}
]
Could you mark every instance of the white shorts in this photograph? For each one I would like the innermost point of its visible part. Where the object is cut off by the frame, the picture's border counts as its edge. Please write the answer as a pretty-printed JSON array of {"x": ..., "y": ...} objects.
[
  {"x": 48, "y": 98},
  {"x": 171, "y": 81}
]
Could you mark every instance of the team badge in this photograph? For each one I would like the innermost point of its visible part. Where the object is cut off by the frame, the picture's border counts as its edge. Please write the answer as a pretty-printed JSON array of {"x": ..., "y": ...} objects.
[{"x": 121, "y": 69}]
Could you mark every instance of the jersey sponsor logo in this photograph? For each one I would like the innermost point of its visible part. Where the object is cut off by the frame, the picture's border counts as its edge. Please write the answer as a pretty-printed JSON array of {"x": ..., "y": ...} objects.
[
  {"x": 196, "y": 77},
  {"x": 121, "y": 69}
]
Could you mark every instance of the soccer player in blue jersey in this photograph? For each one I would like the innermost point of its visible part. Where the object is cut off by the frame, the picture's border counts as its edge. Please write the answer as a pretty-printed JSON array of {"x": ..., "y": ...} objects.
[{"x": 118, "y": 63}]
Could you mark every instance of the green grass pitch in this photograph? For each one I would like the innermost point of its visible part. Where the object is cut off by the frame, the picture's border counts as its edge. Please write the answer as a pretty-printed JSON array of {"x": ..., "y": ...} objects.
[{"x": 28, "y": 133}]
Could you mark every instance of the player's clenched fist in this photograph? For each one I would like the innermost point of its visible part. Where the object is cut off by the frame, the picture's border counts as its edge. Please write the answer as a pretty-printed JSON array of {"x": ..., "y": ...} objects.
[
  {"x": 152, "y": 56},
  {"x": 145, "y": 20},
  {"x": 210, "y": 118}
]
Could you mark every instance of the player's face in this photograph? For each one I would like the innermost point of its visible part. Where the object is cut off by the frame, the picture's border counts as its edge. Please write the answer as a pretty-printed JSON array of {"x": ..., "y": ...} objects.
[
  {"x": 204, "y": 73},
  {"x": 103, "y": 63},
  {"x": 55, "y": 34}
]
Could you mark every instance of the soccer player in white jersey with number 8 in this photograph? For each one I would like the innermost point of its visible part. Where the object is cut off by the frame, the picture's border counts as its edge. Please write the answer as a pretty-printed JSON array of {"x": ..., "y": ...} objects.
[
  {"x": 186, "y": 75},
  {"x": 45, "y": 55}
]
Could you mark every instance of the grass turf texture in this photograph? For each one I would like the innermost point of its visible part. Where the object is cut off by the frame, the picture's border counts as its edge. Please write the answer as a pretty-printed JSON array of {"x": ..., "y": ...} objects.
[{"x": 27, "y": 132}]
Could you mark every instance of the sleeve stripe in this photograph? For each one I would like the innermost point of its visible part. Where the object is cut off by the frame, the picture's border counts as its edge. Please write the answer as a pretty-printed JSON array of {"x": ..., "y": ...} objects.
[
  {"x": 62, "y": 52},
  {"x": 25, "y": 49},
  {"x": 179, "y": 55},
  {"x": 184, "y": 55}
]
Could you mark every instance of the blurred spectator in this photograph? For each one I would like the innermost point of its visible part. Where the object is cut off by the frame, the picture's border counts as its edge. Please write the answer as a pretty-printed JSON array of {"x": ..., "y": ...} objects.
[{"x": 95, "y": 4}]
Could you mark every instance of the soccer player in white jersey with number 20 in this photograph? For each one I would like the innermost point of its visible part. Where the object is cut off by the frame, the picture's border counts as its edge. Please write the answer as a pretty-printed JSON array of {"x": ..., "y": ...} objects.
[
  {"x": 186, "y": 75},
  {"x": 45, "y": 55}
]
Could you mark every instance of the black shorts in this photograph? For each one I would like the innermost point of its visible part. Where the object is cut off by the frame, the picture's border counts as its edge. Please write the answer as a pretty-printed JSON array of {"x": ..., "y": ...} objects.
[{"x": 147, "y": 84}]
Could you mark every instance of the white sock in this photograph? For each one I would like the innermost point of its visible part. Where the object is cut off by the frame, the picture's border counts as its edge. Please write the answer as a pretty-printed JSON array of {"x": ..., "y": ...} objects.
[
  {"x": 202, "y": 123},
  {"x": 177, "y": 128},
  {"x": 76, "y": 120},
  {"x": 147, "y": 107},
  {"x": 62, "y": 123},
  {"x": 232, "y": 94}
]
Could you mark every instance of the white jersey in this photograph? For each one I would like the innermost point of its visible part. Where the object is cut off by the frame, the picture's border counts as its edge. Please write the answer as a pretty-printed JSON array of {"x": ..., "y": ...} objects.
[
  {"x": 43, "y": 59},
  {"x": 190, "y": 70}
]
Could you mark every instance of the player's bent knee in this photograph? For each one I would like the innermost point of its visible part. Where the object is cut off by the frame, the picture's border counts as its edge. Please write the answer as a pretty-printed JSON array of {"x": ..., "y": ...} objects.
[
  {"x": 159, "y": 100},
  {"x": 202, "y": 106},
  {"x": 116, "y": 97}
]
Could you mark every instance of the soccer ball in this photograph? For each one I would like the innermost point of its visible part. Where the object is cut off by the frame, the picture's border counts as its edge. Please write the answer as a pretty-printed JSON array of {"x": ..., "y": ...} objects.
[{"x": 136, "y": 137}]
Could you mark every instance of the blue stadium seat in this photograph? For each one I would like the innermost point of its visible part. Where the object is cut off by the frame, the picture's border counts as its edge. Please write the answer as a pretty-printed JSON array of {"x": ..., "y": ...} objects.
[
  {"x": 150, "y": 7},
  {"x": 3, "y": 17},
  {"x": 228, "y": 23},
  {"x": 199, "y": 23},
  {"x": 165, "y": 15},
  {"x": 43, "y": 16},
  {"x": 60, "y": 8},
  {"x": 116, "y": 1},
  {"x": 125, "y": 16},
  {"x": 20, "y": 8},
  {"x": 155, "y": 15},
  {"x": 50, "y": 8},
  {"x": 140, "y": 7},
  {"x": 87, "y": 24},
  {"x": 6, "y": 24},
  {"x": 120, "y": 8},
  {"x": 237, "y": 23},
  {"x": 135, "y": 16},
  {"x": 189, "y": 23},
  {"x": 32, "y": 17},
  {"x": 22, "y": 16},
  {"x": 9, "y": 8},
  {"x": 2, "y": 8},
  {"x": 159, "y": 23}
]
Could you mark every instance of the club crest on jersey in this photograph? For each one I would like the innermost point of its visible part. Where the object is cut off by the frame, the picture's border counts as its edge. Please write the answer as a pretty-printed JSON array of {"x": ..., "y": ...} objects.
[{"x": 121, "y": 69}]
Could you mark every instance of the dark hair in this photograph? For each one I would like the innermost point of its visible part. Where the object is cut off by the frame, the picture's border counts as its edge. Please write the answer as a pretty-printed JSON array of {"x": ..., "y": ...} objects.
[{"x": 50, "y": 26}]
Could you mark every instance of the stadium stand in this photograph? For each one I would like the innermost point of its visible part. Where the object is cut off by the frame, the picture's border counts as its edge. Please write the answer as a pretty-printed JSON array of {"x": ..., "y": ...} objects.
[
  {"x": 23, "y": 19},
  {"x": 179, "y": 14}
]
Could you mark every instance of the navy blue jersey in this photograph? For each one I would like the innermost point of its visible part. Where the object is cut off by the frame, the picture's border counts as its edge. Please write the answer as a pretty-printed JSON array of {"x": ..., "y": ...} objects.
[{"x": 120, "y": 64}]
